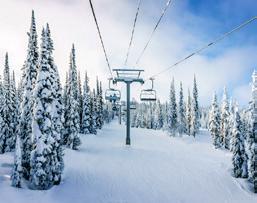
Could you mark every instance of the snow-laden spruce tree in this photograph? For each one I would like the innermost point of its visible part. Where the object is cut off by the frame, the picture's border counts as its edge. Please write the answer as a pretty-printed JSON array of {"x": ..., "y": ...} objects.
[
  {"x": 158, "y": 116},
  {"x": 172, "y": 113},
  {"x": 101, "y": 101},
  {"x": 57, "y": 111},
  {"x": 181, "y": 112},
  {"x": 44, "y": 155},
  {"x": 149, "y": 116},
  {"x": 214, "y": 122},
  {"x": 64, "y": 93},
  {"x": 15, "y": 103},
  {"x": 15, "y": 114},
  {"x": 71, "y": 116},
  {"x": 28, "y": 81},
  {"x": 239, "y": 157},
  {"x": 2, "y": 124},
  {"x": 80, "y": 101},
  {"x": 195, "y": 118},
  {"x": 232, "y": 107},
  {"x": 224, "y": 121},
  {"x": 17, "y": 168},
  {"x": 253, "y": 135},
  {"x": 93, "y": 113},
  {"x": 188, "y": 113},
  {"x": 99, "y": 105},
  {"x": 73, "y": 75},
  {"x": 86, "y": 117},
  {"x": 8, "y": 111}
]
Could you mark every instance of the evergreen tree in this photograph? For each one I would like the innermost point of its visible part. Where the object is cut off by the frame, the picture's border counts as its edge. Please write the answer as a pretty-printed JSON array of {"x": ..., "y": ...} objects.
[
  {"x": 65, "y": 96},
  {"x": 72, "y": 117},
  {"x": 57, "y": 112},
  {"x": 44, "y": 154},
  {"x": 86, "y": 117},
  {"x": 17, "y": 168},
  {"x": 232, "y": 107},
  {"x": 101, "y": 101},
  {"x": 28, "y": 82},
  {"x": 188, "y": 113},
  {"x": 214, "y": 122},
  {"x": 181, "y": 112},
  {"x": 8, "y": 111},
  {"x": 93, "y": 113},
  {"x": 80, "y": 100},
  {"x": 15, "y": 115},
  {"x": 195, "y": 118},
  {"x": 172, "y": 114},
  {"x": 239, "y": 158},
  {"x": 158, "y": 116},
  {"x": 253, "y": 135},
  {"x": 224, "y": 125},
  {"x": 2, "y": 123},
  {"x": 99, "y": 105}
]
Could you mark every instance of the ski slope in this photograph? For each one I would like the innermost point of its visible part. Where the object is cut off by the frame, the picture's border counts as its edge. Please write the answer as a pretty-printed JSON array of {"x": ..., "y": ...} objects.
[{"x": 155, "y": 169}]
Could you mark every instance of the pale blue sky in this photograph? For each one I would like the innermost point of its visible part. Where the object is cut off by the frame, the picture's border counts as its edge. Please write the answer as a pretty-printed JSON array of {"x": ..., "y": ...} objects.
[{"x": 188, "y": 25}]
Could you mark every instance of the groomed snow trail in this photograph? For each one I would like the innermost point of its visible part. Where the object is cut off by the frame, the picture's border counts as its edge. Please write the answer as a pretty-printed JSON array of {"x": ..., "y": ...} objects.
[{"x": 155, "y": 169}]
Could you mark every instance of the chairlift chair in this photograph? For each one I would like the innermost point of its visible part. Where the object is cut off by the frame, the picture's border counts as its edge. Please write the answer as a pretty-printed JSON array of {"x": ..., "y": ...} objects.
[
  {"x": 148, "y": 94},
  {"x": 111, "y": 94}
]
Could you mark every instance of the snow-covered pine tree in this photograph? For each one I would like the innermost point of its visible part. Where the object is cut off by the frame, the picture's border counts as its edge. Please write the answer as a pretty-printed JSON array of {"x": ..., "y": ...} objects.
[
  {"x": 86, "y": 117},
  {"x": 28, "y": 82},
  {"x": 214, "y": 122},
  {"x": 99, "y": 107},
  {"x": 8, "y": 111},
  {"x": 188, "y": 113},
  {"x": 172, "y": 113},
  {"x": 195, "y": 119},
  {"x": 16, "y": 102},
  {"x": 15, "y": 114},
  {"x": 181, "y": 112},
  {"x": 2, "y": 123},
  {"x": 158, "y": 116},
  {"x": 149, "y": 116},
  {"x": 232, "y": 107},
  {"x": 71, "y": 116},
  {"x": 43, "y": 155},
  {"x": 253, "y": 135},
  {"x": 239, "y": 158},
  {"x": 17, "y": 168},
  {"x": 80, "y": 100},
  {"x": 64, "y": 94},
  {"x": 224, "y": 124},
  {"x": 57, "y": 112},
  {"x": 101, "y": 101},
  {"x": 93, "y": 113},
  {"x": 73, "y": 74}
]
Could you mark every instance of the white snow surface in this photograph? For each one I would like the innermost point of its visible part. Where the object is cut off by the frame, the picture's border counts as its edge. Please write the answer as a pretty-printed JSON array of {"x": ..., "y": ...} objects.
[{"x": 156, "y": 168}]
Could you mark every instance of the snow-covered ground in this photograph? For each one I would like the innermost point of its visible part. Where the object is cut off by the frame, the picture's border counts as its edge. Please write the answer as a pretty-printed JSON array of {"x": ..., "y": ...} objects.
[{"x": 155, "y": 169}]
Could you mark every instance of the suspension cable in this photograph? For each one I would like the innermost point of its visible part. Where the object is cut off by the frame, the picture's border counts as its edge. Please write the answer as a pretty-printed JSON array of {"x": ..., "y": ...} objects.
[
  {"x": 132, "y": 33},
  {"x": 155, "y": 28},
  {"x": 100, "y": 36},
  {"x": 215, "y": 41}
]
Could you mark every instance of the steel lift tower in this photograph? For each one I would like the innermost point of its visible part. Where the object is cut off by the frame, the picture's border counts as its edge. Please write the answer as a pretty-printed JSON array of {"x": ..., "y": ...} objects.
[{"x": 128, "y": 76}]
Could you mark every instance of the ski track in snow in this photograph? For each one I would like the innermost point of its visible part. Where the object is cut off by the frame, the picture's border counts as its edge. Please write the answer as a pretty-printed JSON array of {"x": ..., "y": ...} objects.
[{"x": 155, "y": 169}]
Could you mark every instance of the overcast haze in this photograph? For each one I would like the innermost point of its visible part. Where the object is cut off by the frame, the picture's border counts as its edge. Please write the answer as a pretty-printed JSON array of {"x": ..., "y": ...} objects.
[{"x": 186, "y": 27}]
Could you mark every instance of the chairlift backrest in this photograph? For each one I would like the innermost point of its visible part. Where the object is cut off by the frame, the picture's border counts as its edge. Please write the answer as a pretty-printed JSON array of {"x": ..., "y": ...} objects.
[{"x": 148, "y": 94}]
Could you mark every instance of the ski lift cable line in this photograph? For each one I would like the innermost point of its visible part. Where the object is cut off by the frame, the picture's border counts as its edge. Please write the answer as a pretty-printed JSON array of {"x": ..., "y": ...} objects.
[
  {"x": 215, "y": 41},
  {"x": 132, "y": 33},
  {"x": 101, "y": 39},
  {"x": 154, "y": 30}
]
